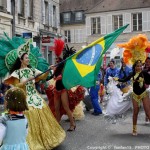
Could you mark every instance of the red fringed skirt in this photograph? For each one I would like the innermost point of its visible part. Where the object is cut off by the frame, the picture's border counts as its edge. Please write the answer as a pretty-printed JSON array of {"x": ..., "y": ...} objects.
[{"x": 74, "y": 98}]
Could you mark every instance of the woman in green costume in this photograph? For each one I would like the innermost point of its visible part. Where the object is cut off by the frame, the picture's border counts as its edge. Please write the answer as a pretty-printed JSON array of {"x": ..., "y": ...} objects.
[{"x": 44, "y": 131}]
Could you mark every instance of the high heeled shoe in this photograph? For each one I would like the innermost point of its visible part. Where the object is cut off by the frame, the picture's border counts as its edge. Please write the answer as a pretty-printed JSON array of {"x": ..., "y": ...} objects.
[
  {"x": 134, "y": 132},
  {"x": 72, "y": 128}
]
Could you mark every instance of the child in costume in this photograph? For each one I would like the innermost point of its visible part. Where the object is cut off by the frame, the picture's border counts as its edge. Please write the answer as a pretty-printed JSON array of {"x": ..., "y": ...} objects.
[
  {"x": 44, "y": 130},
  {"x": 15, "y": 121}
]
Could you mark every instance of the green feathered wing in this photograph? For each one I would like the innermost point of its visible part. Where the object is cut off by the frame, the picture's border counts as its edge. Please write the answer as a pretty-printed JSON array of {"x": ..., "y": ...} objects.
[{"x": 8, "y": 55}]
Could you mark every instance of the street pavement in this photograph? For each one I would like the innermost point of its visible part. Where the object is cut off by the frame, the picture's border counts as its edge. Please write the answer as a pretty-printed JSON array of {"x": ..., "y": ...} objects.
[{"x": 99, "y": 133}]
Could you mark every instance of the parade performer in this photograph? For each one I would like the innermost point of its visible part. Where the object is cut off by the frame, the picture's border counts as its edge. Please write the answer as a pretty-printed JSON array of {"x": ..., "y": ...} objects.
[
  {"x": 17, "y": 57},
  {"x": 116, "y": 105},
  {"x": 63, "y": 101},
  {"x": 111, "y": 71},
  {"x": 135, "y": 53},
  {"x": 15, "y": 122},
  {"x": 123, "y": 72},
  {"x": 147, "y": 69}
]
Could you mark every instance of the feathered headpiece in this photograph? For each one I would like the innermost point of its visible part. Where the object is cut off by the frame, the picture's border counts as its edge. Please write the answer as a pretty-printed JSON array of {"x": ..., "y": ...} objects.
[
  {"x": 9, "y": 50},
  {"x": 58, "y": 47},
  {"x": 68, "y": 51},
  {"x": 24, "y": 48},
  {"x": 135, "y": 49}
]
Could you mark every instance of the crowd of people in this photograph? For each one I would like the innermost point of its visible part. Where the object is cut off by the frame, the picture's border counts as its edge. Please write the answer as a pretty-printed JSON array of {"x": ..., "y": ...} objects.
[{"x": 36, "y": 125}]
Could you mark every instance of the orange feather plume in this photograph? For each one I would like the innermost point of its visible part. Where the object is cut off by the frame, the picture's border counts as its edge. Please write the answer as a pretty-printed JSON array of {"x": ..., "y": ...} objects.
[{"x": 134, "y": 49}]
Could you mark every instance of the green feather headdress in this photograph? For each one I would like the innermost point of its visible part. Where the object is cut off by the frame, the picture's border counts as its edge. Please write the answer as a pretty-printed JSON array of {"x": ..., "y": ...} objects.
[{"x": 9, "y": 53}]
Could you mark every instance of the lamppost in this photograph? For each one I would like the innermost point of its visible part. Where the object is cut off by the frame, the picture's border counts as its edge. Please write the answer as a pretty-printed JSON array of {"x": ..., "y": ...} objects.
[{"x": 13, "y": 20}]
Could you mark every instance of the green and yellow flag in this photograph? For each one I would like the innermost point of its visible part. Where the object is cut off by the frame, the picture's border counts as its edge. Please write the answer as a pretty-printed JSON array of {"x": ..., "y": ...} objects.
[{"x": 83, "y": 67}]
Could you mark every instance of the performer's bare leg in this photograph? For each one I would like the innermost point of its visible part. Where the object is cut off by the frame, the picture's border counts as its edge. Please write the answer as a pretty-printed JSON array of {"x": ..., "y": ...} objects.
[
  {"x": 146, "y": 106},
  {"x": 65, "y": 103},
  {"x": 57, "y": 103},
  {"x": 135, "y": 115}
]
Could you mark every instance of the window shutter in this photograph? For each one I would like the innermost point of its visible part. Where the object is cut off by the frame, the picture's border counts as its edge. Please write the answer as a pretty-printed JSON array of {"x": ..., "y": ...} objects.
[
  {"x": 148, "y": 20},
  {"x": 84, "y": 35},
  {"x": 109, "y": 23},
  {"x": 9, "y": 6},
  {"x": 43, "y": 11},
  {"x": 27, "y": 8},
  {"x": 1, "y": 3},
  {"x": 72, "y": 35},
  {"x": 103, "y": 24},
  {"x": 145, "y": 21},
  {"x": 127, "y": 20},
  {"x": 19, "y": 7},
  {"x": 75, "y": 36},
  {"x": 50, "y": 14},
  {"x": 88, "y": 26},
  {"x": 57, "y": 17}
]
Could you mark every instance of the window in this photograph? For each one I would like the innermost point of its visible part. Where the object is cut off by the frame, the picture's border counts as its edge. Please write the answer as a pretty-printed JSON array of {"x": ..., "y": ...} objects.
[
  {"x": 46, "y": 12},
  {"x": 95, "y": 25},
  {"x": 68, "y": 36},
  {"x": 66, "y": 17},
  {"x": 1, "y": 6},
  {"x": 54, "y": 16},
  {"x": 78, "y": 16},
  {"x": 137, "y": 21},
  {"x": 20, "y": 7},
  {"x": 30, "y": 9},
  {"x": 117, "y": 21}
]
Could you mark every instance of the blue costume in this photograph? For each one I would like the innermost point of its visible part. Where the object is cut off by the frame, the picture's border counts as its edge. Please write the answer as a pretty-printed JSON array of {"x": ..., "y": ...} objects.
[
  {"x": 123, "y": 73},
  {"x": 94, "y": 96},
  {"x": 16, "y": 131},
  {"x": 110, "y": 72}
]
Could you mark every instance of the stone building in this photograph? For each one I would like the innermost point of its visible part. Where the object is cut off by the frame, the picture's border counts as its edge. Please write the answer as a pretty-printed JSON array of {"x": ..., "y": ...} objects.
[
  {"x": 72, "y": 17},
  {"x": 104, "y": 17},
  {"x": 5, "y": 18},
  {"x": 38, "y": 19}
]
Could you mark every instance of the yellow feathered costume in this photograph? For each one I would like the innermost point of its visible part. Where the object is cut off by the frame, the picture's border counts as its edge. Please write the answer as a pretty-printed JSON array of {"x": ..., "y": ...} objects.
[{"x": 134, "y": 49}]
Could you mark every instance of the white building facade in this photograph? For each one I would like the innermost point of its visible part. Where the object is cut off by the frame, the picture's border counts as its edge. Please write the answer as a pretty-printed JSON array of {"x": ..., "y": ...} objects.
[{"x": 99, "y": 24}]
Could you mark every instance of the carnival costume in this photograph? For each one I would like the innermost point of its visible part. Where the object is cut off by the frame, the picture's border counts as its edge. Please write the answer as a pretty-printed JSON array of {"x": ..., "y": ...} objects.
[
  {"x": 120, "y": 102},
  {"x": 44, "y": 131},
  {"x": 135, "y": 50},
  {"x": 75, "y": 94},
  {"x": 123, "y": 73},
  {"x": 134, "y": 53},
  {"x": 116, "y": 104},
  {"x": 110, "y": 72}
]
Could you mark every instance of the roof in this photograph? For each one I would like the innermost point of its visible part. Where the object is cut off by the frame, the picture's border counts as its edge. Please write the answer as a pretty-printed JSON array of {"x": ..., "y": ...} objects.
[
  {"x": 114, "y": 5},
  {"x": 76, "y": 5}
]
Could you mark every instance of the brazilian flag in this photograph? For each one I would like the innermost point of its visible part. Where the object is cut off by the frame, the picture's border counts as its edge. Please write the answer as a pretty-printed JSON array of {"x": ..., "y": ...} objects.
[{"x": 83, "y": 67}]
